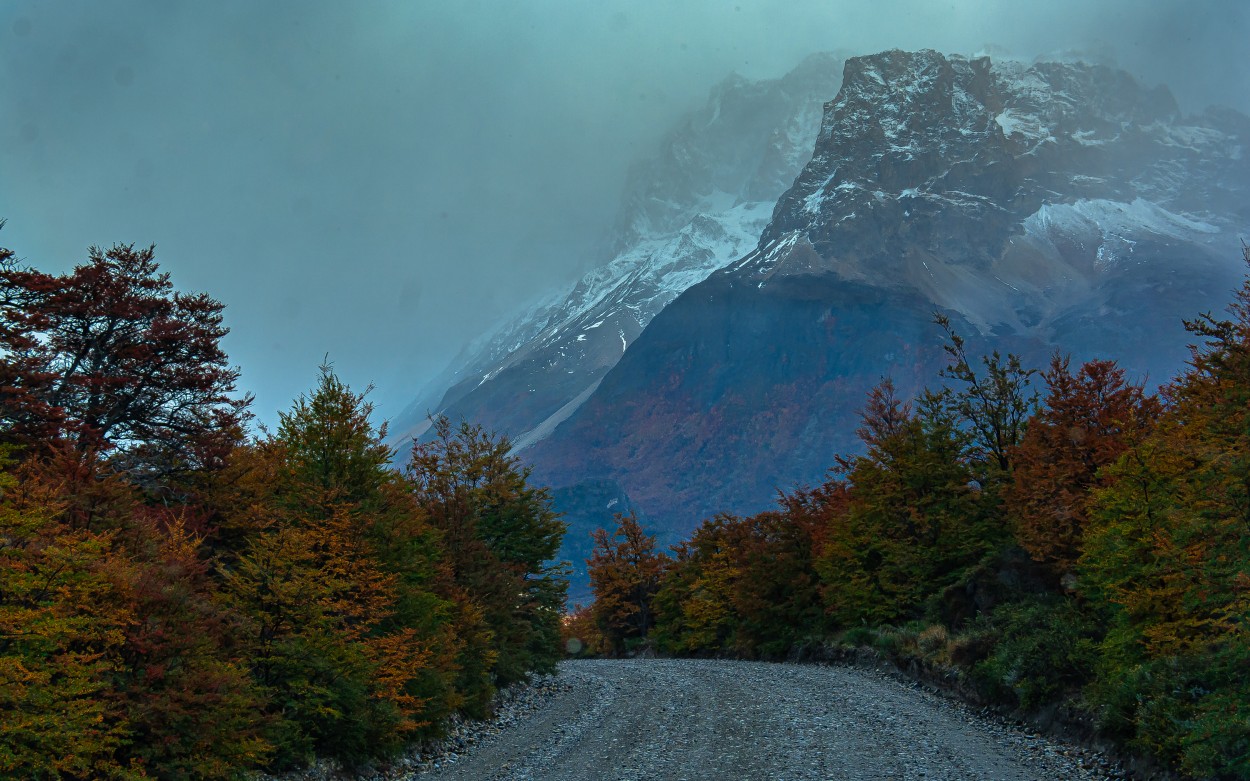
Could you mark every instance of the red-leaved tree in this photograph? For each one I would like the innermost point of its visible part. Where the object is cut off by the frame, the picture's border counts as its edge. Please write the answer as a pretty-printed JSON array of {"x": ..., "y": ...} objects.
[
  {"x": 1090, "y": 418},
  {"x": 111, "y": 358}
]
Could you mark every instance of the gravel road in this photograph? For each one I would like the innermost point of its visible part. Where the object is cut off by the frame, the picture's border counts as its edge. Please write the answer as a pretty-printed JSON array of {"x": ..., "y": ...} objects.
[{"x": 724, "y": 720}]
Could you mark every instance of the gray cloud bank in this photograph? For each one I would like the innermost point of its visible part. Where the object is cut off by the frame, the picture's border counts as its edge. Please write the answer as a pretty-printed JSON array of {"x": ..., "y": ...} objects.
[{"x": 381, "y": 182}]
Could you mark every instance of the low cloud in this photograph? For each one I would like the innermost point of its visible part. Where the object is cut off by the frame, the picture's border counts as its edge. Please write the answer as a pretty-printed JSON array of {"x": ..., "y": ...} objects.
[{"x": 383, "y": 181}]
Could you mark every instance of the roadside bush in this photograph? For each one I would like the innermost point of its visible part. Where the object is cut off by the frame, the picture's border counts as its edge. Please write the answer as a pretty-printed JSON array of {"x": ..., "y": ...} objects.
[
  {"x": 932, "y": 640},
  {"x": 892, "y": 643},
  {"x": 972, "y": 645},
  {"x": 1194, "y": 713},
  {"x": 859, "y": 637},
  {"x": 1046, "y": 651}
]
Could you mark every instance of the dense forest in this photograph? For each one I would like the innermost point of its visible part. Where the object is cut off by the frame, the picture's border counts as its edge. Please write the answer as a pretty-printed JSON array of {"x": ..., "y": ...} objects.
[
  {"x": 1061, "y": 543},
  {"x": 181, "y": 599}
]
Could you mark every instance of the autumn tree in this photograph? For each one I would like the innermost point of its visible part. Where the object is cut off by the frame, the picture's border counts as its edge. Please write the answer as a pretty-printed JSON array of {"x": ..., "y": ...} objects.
[
  {"x": 778, "y": 599},
  {"x": 625, "y": 572},
  {"x": 823, "y": 515},
  {"x": 62, "y": 623},
  {"x": 1166, "y": 548},
  {"x": 693, "y": 606},
  {"x": 745, "y": 586},
  {"x": 111, "y": 357},
  {"x": 580, "y": 634},
  {"x": 123, "y": 660},
  {"x": 106, "y": 372},
  {"x": 501, "y": 536},
  {"x": 1088, "y": 419},
  {"x": 182, "y": 683}
]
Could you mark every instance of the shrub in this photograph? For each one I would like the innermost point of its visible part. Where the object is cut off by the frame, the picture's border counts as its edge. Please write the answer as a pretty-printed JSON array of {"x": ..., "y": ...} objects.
[
  {"x": 859, "y": 637},
  {"x": 1046, "y": 650},
  {"x": 932, "y": 639}
]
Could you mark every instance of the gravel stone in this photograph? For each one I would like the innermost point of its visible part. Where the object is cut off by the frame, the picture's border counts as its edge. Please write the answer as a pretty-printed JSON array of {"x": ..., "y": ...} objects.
[
  {"x": 677, "y": 720},
  {"x": 697, "y": 719}
]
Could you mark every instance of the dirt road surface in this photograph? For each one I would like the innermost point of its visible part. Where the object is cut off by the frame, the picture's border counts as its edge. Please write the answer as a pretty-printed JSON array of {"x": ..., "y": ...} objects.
[{"x": 630, "y": 720}]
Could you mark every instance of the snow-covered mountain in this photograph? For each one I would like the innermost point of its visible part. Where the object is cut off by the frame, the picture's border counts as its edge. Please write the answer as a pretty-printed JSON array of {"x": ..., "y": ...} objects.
[
  {"x": 1049, "y": 205},
  {"x": 699, "y": 204},
  {"x": 1002, "y": 191}
]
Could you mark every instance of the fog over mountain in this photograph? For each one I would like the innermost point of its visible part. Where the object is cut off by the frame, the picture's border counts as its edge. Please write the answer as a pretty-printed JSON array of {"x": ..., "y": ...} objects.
[{"x": 383, "y": 182}]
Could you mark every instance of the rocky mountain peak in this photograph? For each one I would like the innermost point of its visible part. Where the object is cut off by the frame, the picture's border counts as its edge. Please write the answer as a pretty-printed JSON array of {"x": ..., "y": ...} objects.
[
  {"x": 745, "y": 144},
  {"x": 927, "y": 164}
]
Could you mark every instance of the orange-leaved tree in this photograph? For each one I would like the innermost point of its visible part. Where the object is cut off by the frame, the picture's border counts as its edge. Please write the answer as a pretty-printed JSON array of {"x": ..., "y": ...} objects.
[
  {"x": 62, "y": 624},
  {"x": 501, "y": 536},
  {"x": 111, "y": 357},
  {"x": 625, "y": 572}
]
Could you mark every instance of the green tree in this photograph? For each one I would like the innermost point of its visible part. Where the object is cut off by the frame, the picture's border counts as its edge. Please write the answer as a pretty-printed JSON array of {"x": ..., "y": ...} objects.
[
  {"x": 994, "y": 406},
  {"x": 337, "y": 459},
  {"x": 343, "y": 632},
  {"x": 501, "y": 537},
  {"x": 914, "y": 525}
]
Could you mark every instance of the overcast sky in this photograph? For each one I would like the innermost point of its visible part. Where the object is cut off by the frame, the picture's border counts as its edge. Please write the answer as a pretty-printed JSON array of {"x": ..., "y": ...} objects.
[{"x": 382, "y": 181}]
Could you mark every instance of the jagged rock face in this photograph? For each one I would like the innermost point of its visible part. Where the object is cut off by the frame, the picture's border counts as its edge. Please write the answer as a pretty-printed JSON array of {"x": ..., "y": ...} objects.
[
  {"x": 699, "y": 204},
  {"x": 941, "y": 174},
  {"x": 1054, "y": 205}
]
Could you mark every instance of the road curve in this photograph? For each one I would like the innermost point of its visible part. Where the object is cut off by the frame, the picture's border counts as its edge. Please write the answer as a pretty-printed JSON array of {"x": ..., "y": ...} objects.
[{"x": 702, "y": 719}]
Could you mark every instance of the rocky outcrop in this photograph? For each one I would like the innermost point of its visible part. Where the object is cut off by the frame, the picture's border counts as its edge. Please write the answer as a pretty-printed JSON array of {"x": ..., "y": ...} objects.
[{"x": 585, "y": 507}]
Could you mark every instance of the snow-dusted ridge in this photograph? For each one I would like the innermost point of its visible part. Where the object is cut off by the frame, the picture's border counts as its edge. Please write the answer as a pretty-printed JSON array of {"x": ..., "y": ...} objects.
[
  {"x": 626, "y": 293},
  {"x": 699, "y": 205}
]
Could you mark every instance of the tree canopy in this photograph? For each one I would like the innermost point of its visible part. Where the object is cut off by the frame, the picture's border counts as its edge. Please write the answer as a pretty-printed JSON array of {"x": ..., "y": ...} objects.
[{"x": 111, "y": 358}]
